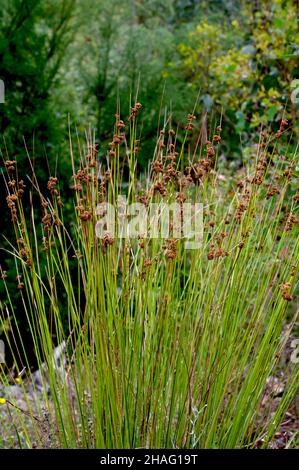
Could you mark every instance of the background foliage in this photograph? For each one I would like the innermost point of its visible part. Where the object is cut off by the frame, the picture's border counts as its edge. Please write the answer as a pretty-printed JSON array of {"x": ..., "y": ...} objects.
[{"x": 77, "y": 58}]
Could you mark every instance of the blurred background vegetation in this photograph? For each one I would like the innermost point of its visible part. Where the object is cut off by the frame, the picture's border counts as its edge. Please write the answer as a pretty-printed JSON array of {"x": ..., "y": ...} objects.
[
  {"x": 73, "y": 59},
  {"x": 66, "y": 64}
]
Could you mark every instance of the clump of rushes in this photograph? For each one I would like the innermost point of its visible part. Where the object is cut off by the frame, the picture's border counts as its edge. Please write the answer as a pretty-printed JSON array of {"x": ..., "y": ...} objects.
[{"x": 165, "y": 346}]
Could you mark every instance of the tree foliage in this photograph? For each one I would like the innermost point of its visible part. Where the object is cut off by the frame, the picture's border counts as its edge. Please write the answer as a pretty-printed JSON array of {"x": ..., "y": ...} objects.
[{"x": 246, "y": 67}]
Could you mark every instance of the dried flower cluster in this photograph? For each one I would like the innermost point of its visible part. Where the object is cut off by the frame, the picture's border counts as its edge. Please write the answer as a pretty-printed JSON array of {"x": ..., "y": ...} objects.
[
  {"x": 190, "y": 122},
  {"x": 285, "y": 291},
  {"x": 171, "y": 248},
  {"x": 85, "y": 214},
  {"x": 261, "y": 168},
  {"x": 134, "y": 111},
  {"x": 11, "y": 203},
  {"x": 10, "y": 166}
]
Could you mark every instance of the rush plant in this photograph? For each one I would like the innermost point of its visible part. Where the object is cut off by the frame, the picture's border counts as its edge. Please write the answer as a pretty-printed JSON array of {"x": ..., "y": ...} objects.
[{"x": 163, "y": 346}]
